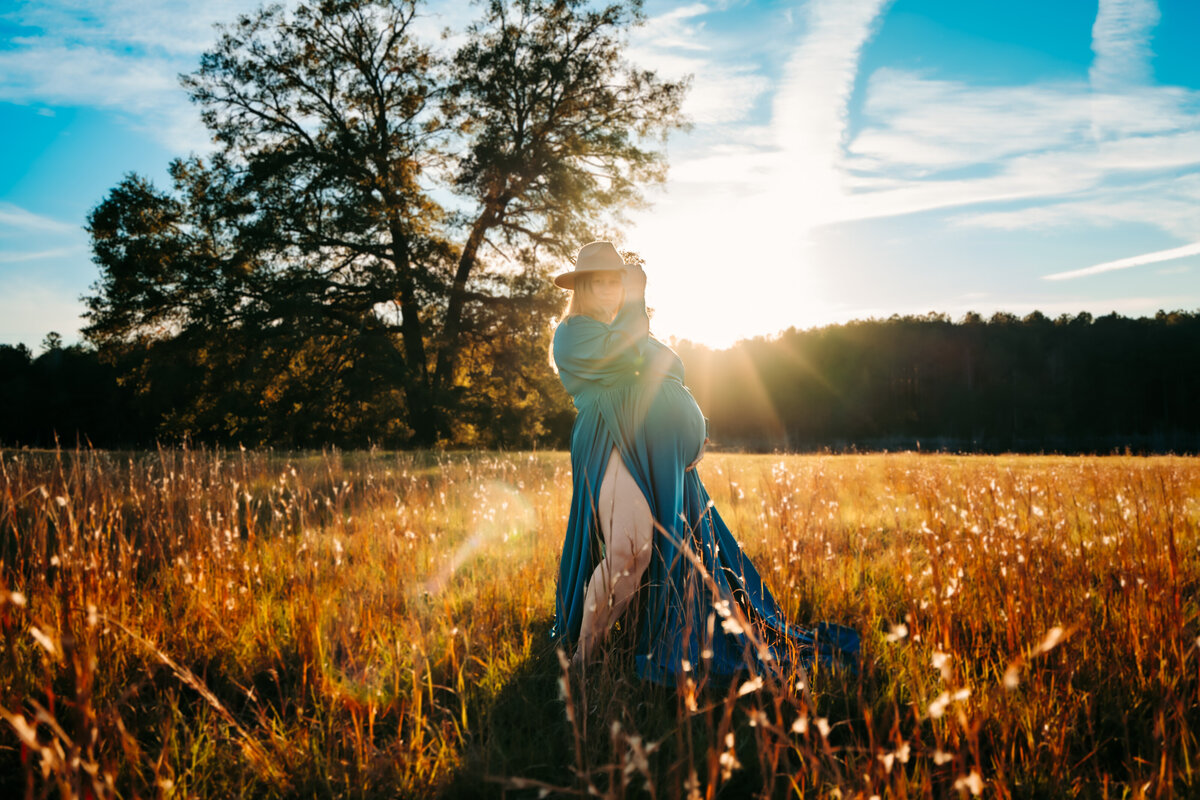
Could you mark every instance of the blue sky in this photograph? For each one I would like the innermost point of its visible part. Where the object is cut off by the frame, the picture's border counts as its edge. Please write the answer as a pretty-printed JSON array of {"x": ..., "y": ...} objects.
[{"x": 849, "y": 158}]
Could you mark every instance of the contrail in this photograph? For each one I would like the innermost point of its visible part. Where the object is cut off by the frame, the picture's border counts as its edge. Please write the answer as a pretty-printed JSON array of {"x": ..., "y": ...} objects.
[{"x": 1125, "y": 263}]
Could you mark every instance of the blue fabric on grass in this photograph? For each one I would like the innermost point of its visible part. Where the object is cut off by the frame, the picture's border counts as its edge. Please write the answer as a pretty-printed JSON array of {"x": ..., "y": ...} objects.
[{"x": 628, "y": 389}]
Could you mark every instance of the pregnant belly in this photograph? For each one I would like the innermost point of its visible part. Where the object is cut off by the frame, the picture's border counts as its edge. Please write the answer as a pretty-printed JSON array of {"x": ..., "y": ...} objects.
[{"x": 674, "y": 423}]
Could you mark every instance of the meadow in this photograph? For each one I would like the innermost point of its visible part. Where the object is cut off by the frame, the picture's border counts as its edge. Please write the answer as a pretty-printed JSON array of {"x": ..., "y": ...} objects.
[{"x": 200, "y": 623}]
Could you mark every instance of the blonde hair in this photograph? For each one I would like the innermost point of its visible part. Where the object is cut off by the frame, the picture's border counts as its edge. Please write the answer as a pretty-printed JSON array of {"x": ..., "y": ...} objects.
[{"x": 582, "y": 302}]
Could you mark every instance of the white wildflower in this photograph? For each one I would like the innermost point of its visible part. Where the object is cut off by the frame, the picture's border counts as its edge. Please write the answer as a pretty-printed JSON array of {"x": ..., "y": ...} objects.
[
  {"x": 972, "y": 783},
  {"x": 1053, "y": 638},
  {"x": 938, "y": 706},
  {"x": 44, "y": 640}
]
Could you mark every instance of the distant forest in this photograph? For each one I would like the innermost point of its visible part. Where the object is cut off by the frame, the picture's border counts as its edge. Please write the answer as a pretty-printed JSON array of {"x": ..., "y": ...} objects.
[
  {"x": 1071, "y": 384},
  {"x": 1031, "y": 384}
]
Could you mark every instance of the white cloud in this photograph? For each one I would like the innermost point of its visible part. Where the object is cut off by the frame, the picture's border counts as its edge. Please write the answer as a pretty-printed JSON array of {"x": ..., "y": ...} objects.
[
  {"x": 1121, "y": 43},
  {"x": 40, "y": 255},
  {"x": 125, "y": 56},
  {"x": 921, "y": 126},
  {"x": 61, "y": 74},
  {"x": 1102, "y": 147},
  {"x": 676, "y": 44},
  {"x": 675, "y": 29},
  {"x": 811, "y": 104},
  {"x": 164, "y": 27},
  {"x": 1169, "y": 203},
  {"x": 734, "y": 221},
  {"x": 720, "y": 93},
  {"x": 18, "y": 220},
  {"x": 1125, "y": 263},
  {"x": 1078, "y": 170},
  {"x": 1043, "y": 141},
  {"x": 122, "y": 56},
  {"x": 924, "y": 125},
  {"x": 37, "y": 246}
]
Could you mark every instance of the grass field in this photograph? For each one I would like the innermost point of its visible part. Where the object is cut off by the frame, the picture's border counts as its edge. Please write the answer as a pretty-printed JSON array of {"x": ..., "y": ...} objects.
[{"x": 369, "y": 625}]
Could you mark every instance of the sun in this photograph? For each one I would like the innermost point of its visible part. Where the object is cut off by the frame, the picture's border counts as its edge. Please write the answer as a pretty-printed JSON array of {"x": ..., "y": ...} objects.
[
  {"x": 717, "y": 302},
  {"x": 718, "y": 272}
]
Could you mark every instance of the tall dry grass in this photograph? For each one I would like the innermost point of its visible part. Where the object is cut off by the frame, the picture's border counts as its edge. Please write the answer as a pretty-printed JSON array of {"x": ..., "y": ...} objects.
[{"x": 219, "y": 624}]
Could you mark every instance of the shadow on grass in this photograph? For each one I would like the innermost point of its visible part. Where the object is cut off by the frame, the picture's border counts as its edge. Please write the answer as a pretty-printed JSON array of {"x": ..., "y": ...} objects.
[
  {"x": 522, "y": 731},
  {"x": 628, "y": 734}
]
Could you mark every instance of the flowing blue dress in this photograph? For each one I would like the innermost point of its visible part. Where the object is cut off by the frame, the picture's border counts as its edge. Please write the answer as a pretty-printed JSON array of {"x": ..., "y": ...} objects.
[{"x": 628, "y": 390}]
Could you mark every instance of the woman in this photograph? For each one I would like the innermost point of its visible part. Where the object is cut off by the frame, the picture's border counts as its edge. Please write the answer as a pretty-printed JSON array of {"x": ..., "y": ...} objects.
[{"x": 638, "y": 508}]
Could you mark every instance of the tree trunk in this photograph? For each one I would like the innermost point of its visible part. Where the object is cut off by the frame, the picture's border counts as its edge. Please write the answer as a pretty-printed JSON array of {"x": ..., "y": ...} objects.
[
  {"x": 451, "y": 343},
  {"x": 418, "y": 400}
]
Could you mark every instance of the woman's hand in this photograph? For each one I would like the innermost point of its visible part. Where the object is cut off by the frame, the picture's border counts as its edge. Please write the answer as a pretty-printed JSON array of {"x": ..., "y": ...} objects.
[
  {"x": 699, "y": 456},
  {"x": 634, "y": 278}
]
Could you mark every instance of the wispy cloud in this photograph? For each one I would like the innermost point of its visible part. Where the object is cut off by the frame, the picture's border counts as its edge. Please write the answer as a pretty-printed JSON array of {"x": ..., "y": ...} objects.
[
  {"x": 917, "y": 126},
  {"x": 676, "y": 29},
  {"x": 116, "y": 55},
  {"x": 1121, "y": 43},
  {"x": 1125, "y": 263},
  {"x": 678, "y": 43},
  {"x": 811, "y": 105},
  {"x": 748, "y": 202},
  {"x": 929, "y": 144},
  {"x": 61, "y": 74},
  {"x": 1169, "y": 203},
  {"x": 163, "y": 28},
  {"x": 40, "y": 255},
  {"x": 1049, "y": 153},
  {"x": 1044, "y": 141},
  {"x": 17, "y": 219},
  {"x": 1092, "y": 151}
]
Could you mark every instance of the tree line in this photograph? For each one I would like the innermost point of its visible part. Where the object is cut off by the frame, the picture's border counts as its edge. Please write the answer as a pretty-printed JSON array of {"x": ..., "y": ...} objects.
[{"x": 1071, "y": 384}]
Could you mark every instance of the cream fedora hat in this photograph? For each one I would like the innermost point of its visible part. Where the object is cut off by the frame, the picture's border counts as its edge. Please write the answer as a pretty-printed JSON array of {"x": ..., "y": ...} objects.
[{"x": 593, "y": 257}]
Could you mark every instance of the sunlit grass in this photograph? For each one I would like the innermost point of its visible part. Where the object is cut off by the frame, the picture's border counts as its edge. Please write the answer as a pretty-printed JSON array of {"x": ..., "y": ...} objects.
[{"x": 209, "y": 624}]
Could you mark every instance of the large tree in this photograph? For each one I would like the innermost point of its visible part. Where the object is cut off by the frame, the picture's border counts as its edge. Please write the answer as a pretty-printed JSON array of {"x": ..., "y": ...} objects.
[
  {"x": 368, "y": 187},
  {"x": 218, "y": 338},
  {"x": 556, "y": 126}
]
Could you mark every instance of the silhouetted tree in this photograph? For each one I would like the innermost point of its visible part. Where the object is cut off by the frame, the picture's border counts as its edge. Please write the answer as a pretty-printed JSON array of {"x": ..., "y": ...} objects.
[{"x": 315, "y": 234}]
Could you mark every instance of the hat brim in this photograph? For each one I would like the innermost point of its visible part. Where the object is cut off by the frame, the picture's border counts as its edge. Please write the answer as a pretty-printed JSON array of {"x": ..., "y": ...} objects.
[{"x": 567, "y": 279}]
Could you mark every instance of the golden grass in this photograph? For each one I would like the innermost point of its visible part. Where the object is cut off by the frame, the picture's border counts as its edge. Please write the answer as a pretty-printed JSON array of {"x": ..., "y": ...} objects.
[{"x": 220, "y": 624}]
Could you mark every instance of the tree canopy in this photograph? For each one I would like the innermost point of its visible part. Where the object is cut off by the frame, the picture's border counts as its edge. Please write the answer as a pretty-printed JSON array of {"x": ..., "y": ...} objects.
[{"x": 374, "y": 231}]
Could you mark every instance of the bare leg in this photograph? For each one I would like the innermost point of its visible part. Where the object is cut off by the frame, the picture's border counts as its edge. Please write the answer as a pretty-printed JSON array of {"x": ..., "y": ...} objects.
[{"x": 627, "y": 525}]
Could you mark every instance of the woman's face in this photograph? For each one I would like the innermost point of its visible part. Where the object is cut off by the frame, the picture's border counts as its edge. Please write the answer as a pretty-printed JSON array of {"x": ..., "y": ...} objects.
[{"x": 607, "y": 288}]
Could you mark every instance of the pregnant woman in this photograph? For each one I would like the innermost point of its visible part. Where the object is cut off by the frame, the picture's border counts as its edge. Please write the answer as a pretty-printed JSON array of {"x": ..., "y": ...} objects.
[{"x": 637, "y": 502}]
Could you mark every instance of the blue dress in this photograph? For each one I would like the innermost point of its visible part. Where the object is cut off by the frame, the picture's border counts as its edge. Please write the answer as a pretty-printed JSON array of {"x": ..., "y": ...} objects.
[{"x": 628, "y": 389}]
